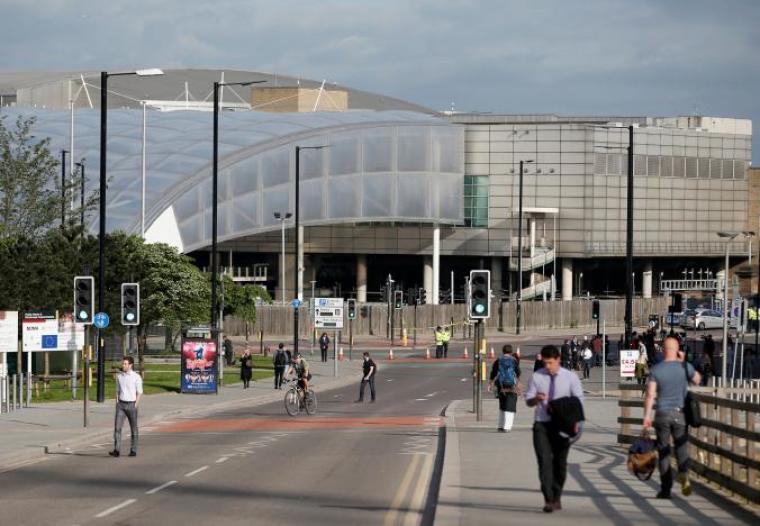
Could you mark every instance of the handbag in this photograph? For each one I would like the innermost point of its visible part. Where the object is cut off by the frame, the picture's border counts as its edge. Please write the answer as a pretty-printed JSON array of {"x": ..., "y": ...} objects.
[
  {"x": 691, "y": 412},
  {"x": 642, "y": 457}
]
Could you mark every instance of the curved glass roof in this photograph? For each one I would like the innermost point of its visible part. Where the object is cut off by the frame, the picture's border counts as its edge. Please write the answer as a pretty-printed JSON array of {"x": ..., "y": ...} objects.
[{"x": 377, "y": 166}]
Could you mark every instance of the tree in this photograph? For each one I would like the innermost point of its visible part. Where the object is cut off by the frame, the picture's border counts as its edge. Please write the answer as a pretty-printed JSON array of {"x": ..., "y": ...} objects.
[{"x": 241, "y": 301}]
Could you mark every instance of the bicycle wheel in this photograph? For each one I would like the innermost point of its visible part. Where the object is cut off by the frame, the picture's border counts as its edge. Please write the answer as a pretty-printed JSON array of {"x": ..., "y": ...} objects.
[
  {"x": 291, "y": 401},
  {"x": 310, "y": 402}
]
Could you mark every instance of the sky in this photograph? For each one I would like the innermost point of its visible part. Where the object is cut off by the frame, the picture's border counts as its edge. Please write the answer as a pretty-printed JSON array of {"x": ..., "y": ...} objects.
[{"x": 571, "y": 57}]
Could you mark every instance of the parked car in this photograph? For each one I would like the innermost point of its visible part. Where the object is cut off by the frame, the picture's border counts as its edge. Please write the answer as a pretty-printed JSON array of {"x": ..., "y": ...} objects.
[{"x": 702, "y": 319}]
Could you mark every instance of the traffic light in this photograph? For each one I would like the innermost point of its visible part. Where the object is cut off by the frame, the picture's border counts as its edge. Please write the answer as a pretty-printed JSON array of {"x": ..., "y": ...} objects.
[
  {"x": 677, "y": 305},
  {"x": 480, "y": 294},
  {"x": 351, "y": 308},
  {"x": 595, "y": 310},
  {"x": 384, "y": 294},
  {"x": 130, "y": 304},
  {"x": 422, "y": 296},
  {"x": 84, "y": 299},
  {"x": 398, "y": 299}
]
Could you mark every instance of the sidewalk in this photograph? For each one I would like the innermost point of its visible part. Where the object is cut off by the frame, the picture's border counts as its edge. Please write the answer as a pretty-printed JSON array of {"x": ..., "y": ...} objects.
[
  {"x": 492, "y": 478},
  {"x": 27, "y": 434}
]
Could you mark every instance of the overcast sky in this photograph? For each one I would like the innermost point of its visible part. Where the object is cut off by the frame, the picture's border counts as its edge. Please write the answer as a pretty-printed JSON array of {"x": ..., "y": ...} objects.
[{"x": 624, "y": 57}]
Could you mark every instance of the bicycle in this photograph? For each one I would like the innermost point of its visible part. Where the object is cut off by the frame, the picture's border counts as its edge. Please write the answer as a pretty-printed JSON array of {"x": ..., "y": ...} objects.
[{"x": 296, "y": 399}]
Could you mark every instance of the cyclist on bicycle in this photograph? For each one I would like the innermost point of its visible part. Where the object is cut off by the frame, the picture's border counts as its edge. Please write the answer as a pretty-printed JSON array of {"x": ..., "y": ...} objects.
[{"x": 300, "y": 368}]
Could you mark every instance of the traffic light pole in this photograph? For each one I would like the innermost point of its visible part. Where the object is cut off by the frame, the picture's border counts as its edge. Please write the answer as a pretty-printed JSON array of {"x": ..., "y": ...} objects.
[
  {"x": 350, "y": 338},
  {"x": 414, "y": 329}
]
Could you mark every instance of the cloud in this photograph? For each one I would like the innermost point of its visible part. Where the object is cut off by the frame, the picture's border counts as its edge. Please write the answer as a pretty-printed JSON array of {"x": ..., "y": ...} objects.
[{"x": 581, "y": 56}]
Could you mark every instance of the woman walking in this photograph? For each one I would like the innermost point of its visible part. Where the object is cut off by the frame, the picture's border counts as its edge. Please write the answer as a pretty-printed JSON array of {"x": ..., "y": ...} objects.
[
  {"x": 246, "y": 368},
  {"x": 505, "y": 377},
  {"x": 324, "y": 345}
]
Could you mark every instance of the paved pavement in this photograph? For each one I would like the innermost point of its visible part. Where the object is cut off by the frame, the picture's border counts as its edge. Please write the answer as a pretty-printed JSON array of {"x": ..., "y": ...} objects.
[
  {"x": 55, "y": 426},
  {"x": 492, "y": 478}
]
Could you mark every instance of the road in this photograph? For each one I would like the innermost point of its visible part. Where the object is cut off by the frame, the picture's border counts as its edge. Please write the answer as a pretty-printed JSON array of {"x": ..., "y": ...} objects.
[{"x": 350, "y": 464}]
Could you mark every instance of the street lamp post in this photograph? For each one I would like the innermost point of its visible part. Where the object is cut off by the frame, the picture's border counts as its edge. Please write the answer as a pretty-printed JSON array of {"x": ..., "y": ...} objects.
[
  {"x": 728, "y": 236},
  {"x": 518, "y": 312},
  {"x": 215, "y": 205},
  {"x": 282, "y": 218},
  {"x": 63, "y": 188},
  {"x": 104, "y": 75},
  {"x": 297, "y": 237},
  {"x": 80, "y": 165}
]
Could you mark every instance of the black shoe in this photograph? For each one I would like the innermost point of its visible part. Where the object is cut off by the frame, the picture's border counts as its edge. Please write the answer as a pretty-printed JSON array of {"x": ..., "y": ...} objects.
[
  {"x": 133, "y": 453},
  {"x": 548, "y": 507},
  {"x": 114, "y": 453},
  {"x": 663, "y": 495},
  {"x": 500, "y": 430}
]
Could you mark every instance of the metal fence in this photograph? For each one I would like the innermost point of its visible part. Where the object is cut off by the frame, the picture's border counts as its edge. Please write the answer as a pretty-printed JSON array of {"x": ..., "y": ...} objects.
[{"x": 373, "y": 317}]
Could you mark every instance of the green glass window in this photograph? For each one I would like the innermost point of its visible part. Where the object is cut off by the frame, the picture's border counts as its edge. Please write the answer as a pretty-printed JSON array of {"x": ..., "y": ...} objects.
[{"x": 476, "y": 201}]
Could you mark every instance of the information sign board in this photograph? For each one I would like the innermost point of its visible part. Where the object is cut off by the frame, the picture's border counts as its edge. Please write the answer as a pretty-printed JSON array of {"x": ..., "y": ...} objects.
[
  {"x": 44, "y": 332},
  {"x": 200, "y": 363},
  {"x": 8, "y": 331},
  {"x": 628, "y": 359},
  {"x": 328, "y": 313}
]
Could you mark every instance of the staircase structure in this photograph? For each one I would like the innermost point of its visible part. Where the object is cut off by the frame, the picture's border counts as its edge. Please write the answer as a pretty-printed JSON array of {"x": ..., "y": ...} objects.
[{"x": 538, "y": 256}]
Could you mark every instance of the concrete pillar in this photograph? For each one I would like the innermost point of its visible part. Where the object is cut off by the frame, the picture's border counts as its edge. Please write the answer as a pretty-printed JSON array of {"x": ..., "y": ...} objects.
[
  {"x": 496, "y": 277},
  {"x": 427, "y": 276},
  {"x": 567, "y": 279},
  {"x": 361, "y": 278},
  {"x": 532, "y": 223},
  {"x": 436, "y": 263},
  {"x": 646, "y": 280},
  {"x": 284, "y": 292},
  {"x": 300, "y": 263},
  {"x": 720, "y": 276}
]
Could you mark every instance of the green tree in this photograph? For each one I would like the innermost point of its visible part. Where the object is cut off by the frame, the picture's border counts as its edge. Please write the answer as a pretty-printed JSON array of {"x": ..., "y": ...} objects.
[{"x": 241, "y": 301}]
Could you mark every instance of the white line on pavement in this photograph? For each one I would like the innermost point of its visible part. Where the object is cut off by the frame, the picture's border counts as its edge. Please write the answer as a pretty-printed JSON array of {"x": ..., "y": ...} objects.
[
  {"x": 422, "y": 400},
  {"x": 222, "y": 459},
  {"x": 195, "y": 472},
  {"x": 159, "y": 488},
  {"x": 463, "y": 380},
  {"x": 431, "y": 394},
  {"x": 115, "y": 508}
]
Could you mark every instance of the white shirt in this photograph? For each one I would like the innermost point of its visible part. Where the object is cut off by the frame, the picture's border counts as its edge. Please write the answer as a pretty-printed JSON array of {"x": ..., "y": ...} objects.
[
  {"x": 587, "y": 354},
  {"x": 128, "y": 386}
]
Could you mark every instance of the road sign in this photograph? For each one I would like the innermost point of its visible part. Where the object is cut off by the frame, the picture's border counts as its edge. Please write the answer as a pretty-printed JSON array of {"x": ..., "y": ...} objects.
[
  {"x": 101, "y": 320},
  {"x": 295, "y": 303},
  {"x": 8, "y": 331},
  {"x": 628, "y": 359},
  {"x": 328, "y": 313}
]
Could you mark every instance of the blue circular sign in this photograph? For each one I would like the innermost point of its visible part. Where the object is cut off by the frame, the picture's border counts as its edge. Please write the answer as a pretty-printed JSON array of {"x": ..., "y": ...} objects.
[
  {"x": 295, "y": 303},
  {"x": 101, "y": 320}
]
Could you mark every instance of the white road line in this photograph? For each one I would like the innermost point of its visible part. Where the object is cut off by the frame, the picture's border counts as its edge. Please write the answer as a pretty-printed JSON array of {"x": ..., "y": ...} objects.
[
  {"x": 463, "y": 380},
  {"x": 222, "y": 459},
  {"x": 204, "y": 468},
  {"x": 159, "y": 488},
  {"x": 421, "y": 400},
  {"x": 389, "y": 379},
  {"x": 431, "y": 394},
  {"x": 115, "y": 508}
]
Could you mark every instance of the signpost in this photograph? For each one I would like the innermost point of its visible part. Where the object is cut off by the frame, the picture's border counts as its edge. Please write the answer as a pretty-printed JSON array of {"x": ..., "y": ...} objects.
[
  {"x": 101, "y": 320},
  {"x": 328, "y": 314},
  {"x": 628, "y": 359},
  {"x": 8, "y": 337}
]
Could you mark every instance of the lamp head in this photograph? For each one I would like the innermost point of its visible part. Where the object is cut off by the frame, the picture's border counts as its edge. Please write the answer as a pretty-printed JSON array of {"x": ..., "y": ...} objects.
[{"x": 151, "y": 72}]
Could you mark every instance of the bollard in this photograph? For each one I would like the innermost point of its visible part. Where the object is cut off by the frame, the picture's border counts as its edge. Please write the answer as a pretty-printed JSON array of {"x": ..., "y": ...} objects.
[
  {"x": 15, "y": 397},
  {"x": 465, "y": 355},
  {"x": 340, "y": 354},
  {"x": 427, "y": 353},
  {"x": 390, "y": 354},
  {"x": 404, "y": 337},
  {"x": 492, "y": 354}
]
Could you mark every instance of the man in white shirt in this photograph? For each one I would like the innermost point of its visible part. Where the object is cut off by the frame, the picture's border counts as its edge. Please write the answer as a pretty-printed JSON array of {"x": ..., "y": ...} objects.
[{"x": 129, "y": 390}]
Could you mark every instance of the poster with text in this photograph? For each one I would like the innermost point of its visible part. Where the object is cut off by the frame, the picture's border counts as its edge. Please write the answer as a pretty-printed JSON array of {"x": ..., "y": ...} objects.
[
  {"x": 628, "y": 359},
  {"x": 199, "y": 366}
]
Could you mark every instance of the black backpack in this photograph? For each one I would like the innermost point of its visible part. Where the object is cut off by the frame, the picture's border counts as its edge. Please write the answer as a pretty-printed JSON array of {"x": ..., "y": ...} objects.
[{"x": 280, "y": 359}]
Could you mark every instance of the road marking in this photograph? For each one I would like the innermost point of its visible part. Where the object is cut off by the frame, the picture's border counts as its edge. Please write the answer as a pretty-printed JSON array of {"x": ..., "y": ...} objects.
[
  {"x": 204, "y": 468},
  {"x": 431, "y": 394},
  {"x": 159, "y": 488},
  {"x": 389, "y": 379},
  {"x": 390, "y": 517},
  {"x": 115, "y": 508},
  {"x": 416, "y": 504},
  {"x": 222, "y": 459},
  {"x": 421, "y": 400}
]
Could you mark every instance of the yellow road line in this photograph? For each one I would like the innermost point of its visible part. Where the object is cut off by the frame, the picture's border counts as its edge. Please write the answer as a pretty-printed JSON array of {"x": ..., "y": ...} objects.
[
  {"x": 390, "y": 517},
  {"x": 417, "y": 504}
]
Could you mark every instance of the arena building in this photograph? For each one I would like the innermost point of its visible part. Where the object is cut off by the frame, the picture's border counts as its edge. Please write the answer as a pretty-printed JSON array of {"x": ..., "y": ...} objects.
[{"x": 400, "y": 189}]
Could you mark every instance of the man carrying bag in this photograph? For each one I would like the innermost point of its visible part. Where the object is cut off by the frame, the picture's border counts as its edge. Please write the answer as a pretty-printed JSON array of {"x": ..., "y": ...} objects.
[{"x": 669, "y": 387}]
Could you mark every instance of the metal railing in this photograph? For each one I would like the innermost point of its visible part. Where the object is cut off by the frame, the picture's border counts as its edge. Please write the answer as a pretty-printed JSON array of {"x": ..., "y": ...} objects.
[
  {"x": 691, "y": 284},
  {"x": 656, "y": 248},
  {"x": 529, "y": 263},
  {"x": 14, "y": 393}
]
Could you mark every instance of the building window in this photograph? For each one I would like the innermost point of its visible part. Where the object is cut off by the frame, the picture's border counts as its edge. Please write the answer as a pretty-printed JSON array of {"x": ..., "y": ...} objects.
[{"x": 476, "y": 201}]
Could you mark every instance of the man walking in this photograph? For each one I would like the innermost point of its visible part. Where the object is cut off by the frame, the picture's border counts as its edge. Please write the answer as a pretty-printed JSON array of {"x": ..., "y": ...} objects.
[
  {"x": 668, "y": 385},
  {"x": 368, "y": 377},
  {"x": 550, "y": 383},
  {"x": 129, "y": 389},
  {"x": 505, "y": 374},
  {"x": 280, "y": 362},
  {"x": 324, "y": 345},
  {"x": 229, "y": 351},
  {"x": 439, "y": 339},
  {"x": 446, "y": 338}
]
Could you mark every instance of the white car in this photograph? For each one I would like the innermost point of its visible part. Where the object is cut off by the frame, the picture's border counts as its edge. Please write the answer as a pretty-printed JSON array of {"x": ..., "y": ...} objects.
[{"x": 702, "y": 319}]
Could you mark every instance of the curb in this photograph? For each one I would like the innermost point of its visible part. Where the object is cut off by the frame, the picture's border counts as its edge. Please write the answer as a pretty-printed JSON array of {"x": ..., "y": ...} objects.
[
  {"x": 447, "y": 510},
  {"x": 35, "y": 453}
]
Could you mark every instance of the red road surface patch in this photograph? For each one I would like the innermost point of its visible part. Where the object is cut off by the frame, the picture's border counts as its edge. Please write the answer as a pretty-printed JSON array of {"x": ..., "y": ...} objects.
[{"x": 257, "y": 424}]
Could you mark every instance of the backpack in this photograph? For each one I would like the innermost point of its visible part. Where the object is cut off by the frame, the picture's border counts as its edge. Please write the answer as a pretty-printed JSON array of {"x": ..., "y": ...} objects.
[
  {"x": 280, "y": 358},
  {"x": 506, "y": 377}
]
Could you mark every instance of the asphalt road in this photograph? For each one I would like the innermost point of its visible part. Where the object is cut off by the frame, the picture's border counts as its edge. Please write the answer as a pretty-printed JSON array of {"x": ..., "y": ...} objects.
[{"x": 349, "y": 464}]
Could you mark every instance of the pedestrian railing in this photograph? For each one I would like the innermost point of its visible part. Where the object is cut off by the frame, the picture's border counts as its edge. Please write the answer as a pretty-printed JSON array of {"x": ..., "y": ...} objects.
[
  {"x": 14, "y": 392},
  {"x": 726, "y": 449}
]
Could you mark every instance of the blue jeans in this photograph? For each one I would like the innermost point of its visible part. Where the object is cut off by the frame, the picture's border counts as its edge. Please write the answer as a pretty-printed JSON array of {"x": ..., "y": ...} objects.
[{"x": 669, "y": 424}]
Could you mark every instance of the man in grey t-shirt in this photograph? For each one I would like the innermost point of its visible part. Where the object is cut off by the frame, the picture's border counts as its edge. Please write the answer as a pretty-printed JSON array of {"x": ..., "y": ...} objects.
[{"x": 668, "y": 385}]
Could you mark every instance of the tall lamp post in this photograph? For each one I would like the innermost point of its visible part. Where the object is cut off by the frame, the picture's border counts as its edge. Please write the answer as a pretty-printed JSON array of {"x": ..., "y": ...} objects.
[
  {"x": 104, "y": 75},
  {"x": 728, "y": 236},
  {"x": 282, "y": 218},
  {"x": 297, "y": 237},
  {"x": 215, "y": 205},
  {"x": 80, "y": 165},
  {"x": 518, "y": 312},
  {"x": 63, "y": 188}
]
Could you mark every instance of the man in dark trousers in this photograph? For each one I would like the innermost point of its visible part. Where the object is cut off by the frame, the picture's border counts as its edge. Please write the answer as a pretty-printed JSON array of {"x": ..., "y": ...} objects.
[
  {"x": 280, "y": 361},
  {"x": 369, "y": 369},
  {"x": 324, "y": 345},
  {"x": 547, "y": 384}
]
